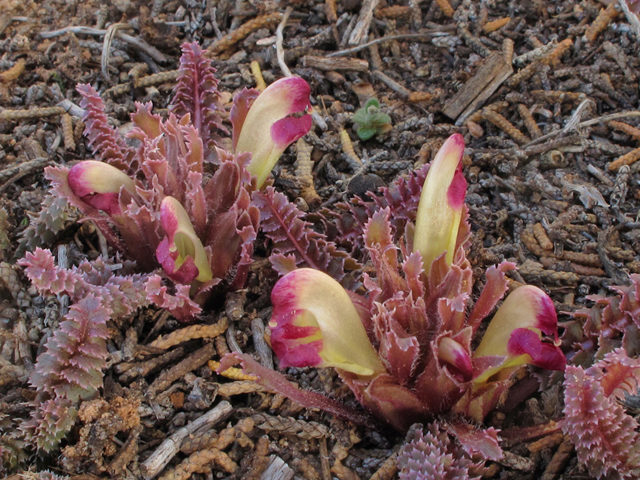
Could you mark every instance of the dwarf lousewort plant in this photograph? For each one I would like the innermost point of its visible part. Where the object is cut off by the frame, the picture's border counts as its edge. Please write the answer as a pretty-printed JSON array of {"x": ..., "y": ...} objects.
[
  {"x": 155, "y": 203},
  {"x": 405, "y": 349}
]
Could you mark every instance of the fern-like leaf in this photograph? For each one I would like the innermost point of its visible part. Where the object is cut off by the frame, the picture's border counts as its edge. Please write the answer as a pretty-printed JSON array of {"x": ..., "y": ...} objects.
[
  {"x": 122, "y": 294},
  {"x": 49, "y": 423},
  {"x": 103, "y": 138},
  {"x": 45, "y": 225},
  {"x": 606, "y": 438},
  {"x": 179, "y": 304},
  {"x": 611, "y": 316},
  {"x": 401, "y": 197},
  {"x": 71, "y": 368},
  {"x": 196, "y": 94},
  {"x": 430, "y": 454},
  {"x": 294, "y": 241}
]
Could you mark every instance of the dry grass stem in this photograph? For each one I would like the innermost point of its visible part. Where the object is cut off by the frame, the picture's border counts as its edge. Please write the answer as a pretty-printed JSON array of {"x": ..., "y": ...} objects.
[
  {"x": 241, "y": 33},
  {"x": 496, "y": 24},
  {"x": 189, "y": 333},
  {"x": 628, "y": 159},
  {"x": 601, "y": 22},
  {"x": 13, "y": 73}
]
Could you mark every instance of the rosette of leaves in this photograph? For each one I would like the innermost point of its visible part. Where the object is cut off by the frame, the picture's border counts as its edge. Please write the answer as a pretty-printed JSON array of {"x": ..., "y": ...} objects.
[
  {"x": 370, "y": 121},
  {"x": 406, "y": 347}
]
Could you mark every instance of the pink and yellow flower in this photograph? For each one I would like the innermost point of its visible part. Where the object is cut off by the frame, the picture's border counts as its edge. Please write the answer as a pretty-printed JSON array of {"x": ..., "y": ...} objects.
[
  {"x": 99, "y": 184},
  {"x": 405, "y": 351},
  {"x": 181, "y": 252},
  {"x": 441, "y": 204},
  {"x": 314, "y": 323},
  {"x": 277, "y": 118},
  {"x": 516, "y": 333}
]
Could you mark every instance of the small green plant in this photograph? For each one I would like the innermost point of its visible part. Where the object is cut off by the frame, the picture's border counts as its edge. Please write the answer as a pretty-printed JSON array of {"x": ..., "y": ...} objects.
[{"x": 370, "y": 121}]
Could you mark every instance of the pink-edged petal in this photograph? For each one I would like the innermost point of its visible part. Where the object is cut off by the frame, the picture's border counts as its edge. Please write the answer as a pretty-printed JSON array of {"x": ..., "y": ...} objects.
[
  {"x": 545, "y": 355},
  {"x": 288, "y": 130},
  {"x": 99, "y": 184},
  {"x": 186, "y": 273},
  {"x": 182, "y": 245},
  {"x": 441, "y": 204},
  {"x": 454, "y": 354},
  {"x": 526, "y": 307},
  {"x": 281, "y": 100},
  {"x": 314, "y": 316}
]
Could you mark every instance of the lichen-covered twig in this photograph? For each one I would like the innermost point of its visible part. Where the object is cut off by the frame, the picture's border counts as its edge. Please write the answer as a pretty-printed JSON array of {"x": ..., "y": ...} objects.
[
  {"x": 213, "y": 453},
  {"x": 129, "y": 371},
  {"x": 388, "y": 469}
]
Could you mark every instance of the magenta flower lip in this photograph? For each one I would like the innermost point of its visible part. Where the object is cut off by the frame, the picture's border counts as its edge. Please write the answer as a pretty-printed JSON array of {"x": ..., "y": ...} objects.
[{"x": 515, "y": 333}]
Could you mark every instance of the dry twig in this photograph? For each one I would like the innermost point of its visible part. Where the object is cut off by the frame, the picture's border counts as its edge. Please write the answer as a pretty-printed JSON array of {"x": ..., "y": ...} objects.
[{"x": 189, "y": 333}]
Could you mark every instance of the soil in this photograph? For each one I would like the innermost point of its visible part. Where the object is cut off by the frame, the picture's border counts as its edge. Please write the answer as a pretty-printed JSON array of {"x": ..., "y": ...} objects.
[{"x": 542, "y": 193}]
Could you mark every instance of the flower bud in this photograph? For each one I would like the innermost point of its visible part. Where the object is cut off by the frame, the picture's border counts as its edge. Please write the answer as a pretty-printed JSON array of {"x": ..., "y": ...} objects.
[
  {"x": 451, "y": 352},
  {"x": 276, "y": 119},
  {"x": 181, "y": 253},
  {"x": 314, "y": 323},
  {"x": 516, "y": 330},
  {"x": 98, "y": 184},
  {"x": 441, "y": 204}
]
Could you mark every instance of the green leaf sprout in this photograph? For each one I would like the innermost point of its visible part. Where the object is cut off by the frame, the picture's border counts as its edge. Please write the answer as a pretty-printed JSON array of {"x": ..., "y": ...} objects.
[{"x": 370, "y": 121}]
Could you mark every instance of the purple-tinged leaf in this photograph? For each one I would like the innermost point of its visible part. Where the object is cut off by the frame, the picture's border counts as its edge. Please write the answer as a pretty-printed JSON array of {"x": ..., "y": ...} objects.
[
  {"x": 242, "y": 102},
  {"x": 276, "y": 382},
  {"x": 103, "y": 139},
  {"x": 494, "y": 289},
  {"x": 281, "y": 221},
  {"x": 179, "y": 304},
  {"x": 196, "y": 94}
]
